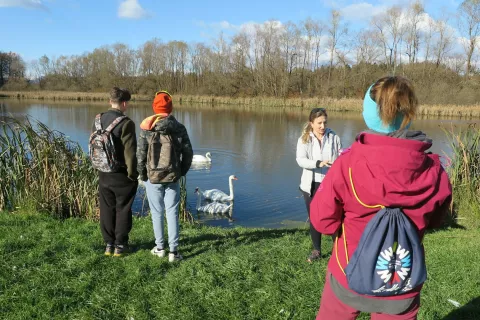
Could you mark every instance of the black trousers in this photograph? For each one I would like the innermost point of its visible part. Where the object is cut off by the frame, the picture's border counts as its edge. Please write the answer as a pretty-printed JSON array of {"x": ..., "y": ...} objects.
[
  {"x": 314, "y": 234},
  {"x": 116, "y": 193}
]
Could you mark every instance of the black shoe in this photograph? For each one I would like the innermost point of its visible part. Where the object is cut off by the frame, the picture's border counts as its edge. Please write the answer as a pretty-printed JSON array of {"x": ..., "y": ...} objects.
[
  {"x": 315, "y": 255},
  {"x": 121, "y": 250},
  {"x": 109, "y": 249}
]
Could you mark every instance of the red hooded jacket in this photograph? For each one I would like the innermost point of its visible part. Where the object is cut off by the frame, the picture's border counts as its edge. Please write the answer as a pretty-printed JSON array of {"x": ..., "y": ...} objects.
[{"x": 390, "y": 171}]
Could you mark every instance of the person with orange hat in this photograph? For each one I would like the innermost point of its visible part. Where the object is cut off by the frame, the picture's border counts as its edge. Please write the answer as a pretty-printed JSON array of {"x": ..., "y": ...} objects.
[{"x": 164, "y": 155}]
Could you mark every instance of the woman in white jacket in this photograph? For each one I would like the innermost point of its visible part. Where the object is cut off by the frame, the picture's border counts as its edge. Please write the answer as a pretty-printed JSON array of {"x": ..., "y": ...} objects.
[{"x": 317, "y": 149}]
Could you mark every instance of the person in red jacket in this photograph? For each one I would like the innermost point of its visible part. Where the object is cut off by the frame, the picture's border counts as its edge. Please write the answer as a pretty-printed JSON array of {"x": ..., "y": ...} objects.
[{"x": 389, "y": 165}]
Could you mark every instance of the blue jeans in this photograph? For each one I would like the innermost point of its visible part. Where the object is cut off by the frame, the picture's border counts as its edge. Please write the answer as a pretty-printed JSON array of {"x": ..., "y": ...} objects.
[{"x": 164, "y": 196}]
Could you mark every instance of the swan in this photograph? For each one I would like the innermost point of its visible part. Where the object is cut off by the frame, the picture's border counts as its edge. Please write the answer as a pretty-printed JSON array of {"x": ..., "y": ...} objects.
[
  {"x": 213, "y": 207},
  {"x": 218, "y": 195},
  {"x": 200, "y": 158}
]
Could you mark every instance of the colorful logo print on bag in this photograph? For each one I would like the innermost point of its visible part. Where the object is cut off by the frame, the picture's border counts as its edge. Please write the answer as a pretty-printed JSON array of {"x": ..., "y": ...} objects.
[{"x": 394, "y": 265}]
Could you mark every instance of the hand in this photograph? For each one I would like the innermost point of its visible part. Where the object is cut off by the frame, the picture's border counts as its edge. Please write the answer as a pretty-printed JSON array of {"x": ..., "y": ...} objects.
[{"x": 324, "y": 164}]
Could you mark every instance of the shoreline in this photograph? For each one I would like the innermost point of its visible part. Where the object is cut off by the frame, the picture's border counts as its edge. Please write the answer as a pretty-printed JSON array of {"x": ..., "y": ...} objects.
[{"x": 337, "y": 105}]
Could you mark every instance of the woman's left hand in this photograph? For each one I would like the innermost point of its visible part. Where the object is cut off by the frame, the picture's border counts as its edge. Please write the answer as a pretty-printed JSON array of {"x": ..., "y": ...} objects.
[{"x": 324, "y": 164}]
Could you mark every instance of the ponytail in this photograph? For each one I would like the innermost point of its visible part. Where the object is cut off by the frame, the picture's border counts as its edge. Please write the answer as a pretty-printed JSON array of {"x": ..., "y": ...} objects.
[{"x": 307, "y": 128}]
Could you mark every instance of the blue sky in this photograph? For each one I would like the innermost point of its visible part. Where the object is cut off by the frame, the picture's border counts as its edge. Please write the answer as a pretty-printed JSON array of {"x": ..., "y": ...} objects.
[{"x": 33, "y": 28}]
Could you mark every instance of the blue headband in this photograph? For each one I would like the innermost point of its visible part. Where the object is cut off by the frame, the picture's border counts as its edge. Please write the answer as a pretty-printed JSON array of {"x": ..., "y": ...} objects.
[{"x": 372, "y": 118}]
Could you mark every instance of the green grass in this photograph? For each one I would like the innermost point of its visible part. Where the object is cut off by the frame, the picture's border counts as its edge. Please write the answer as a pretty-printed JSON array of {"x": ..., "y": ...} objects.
[{"x": 55, "y": 269}]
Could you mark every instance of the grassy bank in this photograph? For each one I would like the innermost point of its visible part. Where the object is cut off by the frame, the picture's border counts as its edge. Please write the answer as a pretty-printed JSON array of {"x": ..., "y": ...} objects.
[
  {"x": 52, "y": 269},
  {"x": 343, "y": 105}
]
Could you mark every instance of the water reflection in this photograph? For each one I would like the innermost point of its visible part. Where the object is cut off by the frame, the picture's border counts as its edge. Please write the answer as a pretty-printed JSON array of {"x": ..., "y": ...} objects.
[
  {"x": 257, "y": 145},
  {"x": 201, "y": 166}
]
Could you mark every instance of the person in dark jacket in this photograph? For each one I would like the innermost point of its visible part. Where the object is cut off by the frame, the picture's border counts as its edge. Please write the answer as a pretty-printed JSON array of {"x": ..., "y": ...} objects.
[
  {"x": 164, "y": 156},
  {"x": 388, "y": 165},
  {"x": 117, "y": 190}
]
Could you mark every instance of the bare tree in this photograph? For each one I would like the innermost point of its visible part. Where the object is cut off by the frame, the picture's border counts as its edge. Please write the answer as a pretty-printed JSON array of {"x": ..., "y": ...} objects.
[
  {"x": 125, "y": 60},
  {"x": 318, "y": 28},
  {"x": 336, "y": 30},
  {"x": 390, "y": 32},
  {"x": 428, "y": 35},
  {"x": 150, "y": 57},
  {"x": 444, "y": 41},
  {"x": 414, "y": 16},
  {"x": 290, "y": 45},
  {"x": 469, "y": 24},
  {"x": 366, "y": 47}
]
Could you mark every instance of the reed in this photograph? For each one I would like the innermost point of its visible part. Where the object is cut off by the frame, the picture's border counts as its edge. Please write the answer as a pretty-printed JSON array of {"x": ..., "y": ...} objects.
[
  {"x": 340, "y": 105},
  {"x": 65, "y": 96},
  {"x": 184, "y": 214},
  {"x": 464, "y": 171},
  {"x": 43, "y": 170}
]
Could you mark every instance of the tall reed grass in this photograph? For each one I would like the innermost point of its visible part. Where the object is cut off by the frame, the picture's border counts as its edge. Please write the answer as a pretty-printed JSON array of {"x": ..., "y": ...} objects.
[
  {"x": 184, "y": 214},
  {"x": 43, "y": 170},
  {"x": 464, "y": 171}
]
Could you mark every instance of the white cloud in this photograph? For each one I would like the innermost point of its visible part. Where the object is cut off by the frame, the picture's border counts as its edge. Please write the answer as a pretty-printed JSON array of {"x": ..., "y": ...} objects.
[
  {"x": 362, "y": 11},
  {"x": 217, "y": 26},
  {"x": 249, "y": 27},
  {"x": 28, "y": 4},
  {"x": 131, "y": 9},
  {"x": 226, "y": 25}
]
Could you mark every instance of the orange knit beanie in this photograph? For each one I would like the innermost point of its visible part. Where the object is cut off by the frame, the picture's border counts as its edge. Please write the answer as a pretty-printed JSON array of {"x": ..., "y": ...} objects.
[{"x": 162, "y": 103}]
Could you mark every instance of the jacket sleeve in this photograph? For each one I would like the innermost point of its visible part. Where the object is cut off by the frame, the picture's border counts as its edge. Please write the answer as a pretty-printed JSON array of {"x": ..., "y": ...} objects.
[
  {"x": 302, "y": 156},
  {"x": 129, "y": 141},
  {"x": 187, "y": 152},
  {"x": 326, "y": 208},
  {"x": 338, "y": 145},
  {"x": 437, "y": 218},
  {"x": 142, "y": 150}
]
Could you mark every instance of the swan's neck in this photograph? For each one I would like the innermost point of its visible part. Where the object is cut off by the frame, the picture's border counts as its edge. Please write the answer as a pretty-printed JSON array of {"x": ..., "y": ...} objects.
[
  {"x": 198, "y": 199},
  {"x": 230, "y": 183},
  {"x": 208, "y": 157}
]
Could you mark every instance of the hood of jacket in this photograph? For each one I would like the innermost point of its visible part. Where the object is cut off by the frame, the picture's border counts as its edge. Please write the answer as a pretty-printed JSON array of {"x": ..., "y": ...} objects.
[
  {"x": 163, "y": 124},
  {"x": 394, "y": 172}
]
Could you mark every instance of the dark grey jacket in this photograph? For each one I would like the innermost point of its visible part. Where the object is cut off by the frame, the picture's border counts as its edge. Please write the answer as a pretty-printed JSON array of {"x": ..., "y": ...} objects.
[{"x": 166, "y": 126}]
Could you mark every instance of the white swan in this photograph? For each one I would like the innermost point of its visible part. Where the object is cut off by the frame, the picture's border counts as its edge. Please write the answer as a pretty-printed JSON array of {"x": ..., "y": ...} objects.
[
  {"x": 200, "y": 158},
  {"x": 213, "y": 207},
  {"x": 218, "y": 195}
]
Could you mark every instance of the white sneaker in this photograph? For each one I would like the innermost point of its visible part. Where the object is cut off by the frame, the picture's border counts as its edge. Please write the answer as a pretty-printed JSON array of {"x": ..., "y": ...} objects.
[
  {"x": 174, "y": 257},
  {"x": 159, "y": 252}
]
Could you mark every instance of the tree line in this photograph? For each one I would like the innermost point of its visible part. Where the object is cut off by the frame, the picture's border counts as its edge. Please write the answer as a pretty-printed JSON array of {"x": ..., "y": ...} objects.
[{"x": 310, "y": 58}]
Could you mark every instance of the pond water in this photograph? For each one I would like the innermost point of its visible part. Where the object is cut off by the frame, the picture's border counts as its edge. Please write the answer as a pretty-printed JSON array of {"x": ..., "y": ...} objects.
[{"x": 257, "y": 145}]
